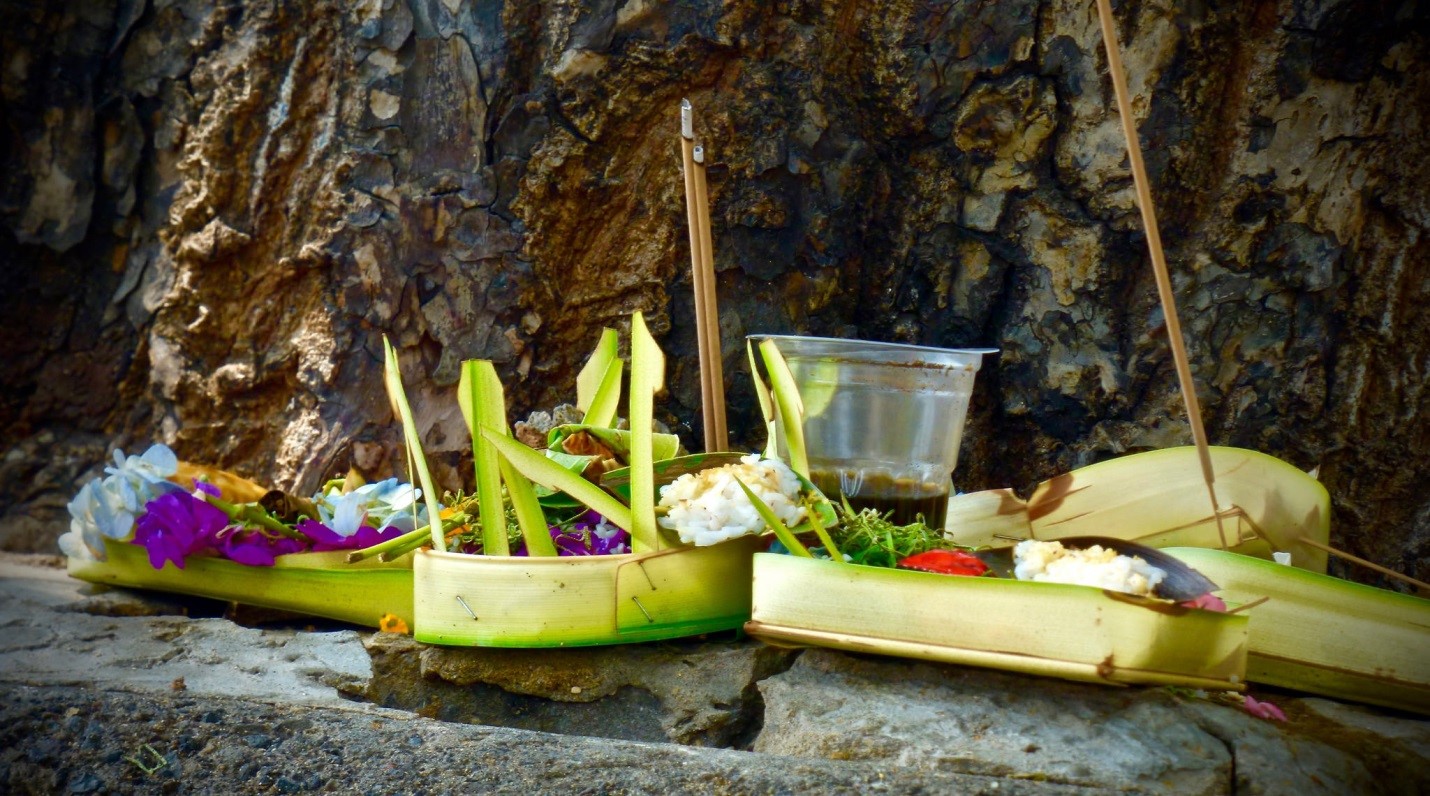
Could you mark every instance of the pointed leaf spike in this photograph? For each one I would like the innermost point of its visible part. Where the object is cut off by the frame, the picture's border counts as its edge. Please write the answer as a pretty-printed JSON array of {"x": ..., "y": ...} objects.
[
  {"x": 789, "y": 408},
  {"x": 608, "y": 397},
  {"x": 483, "y": 403},
  {"x": 767, "y": 405},
  {"x": 647, "y": 378},
  {"x": 782, "y": 531},
  {"x": 824, "y": 538},
  {"x": 392, "y": 379},
  {"x": 593, "y": 373}
]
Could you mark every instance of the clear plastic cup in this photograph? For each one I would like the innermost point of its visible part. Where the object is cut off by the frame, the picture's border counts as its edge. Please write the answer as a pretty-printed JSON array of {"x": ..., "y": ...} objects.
[{"x": 883, "y": 421}]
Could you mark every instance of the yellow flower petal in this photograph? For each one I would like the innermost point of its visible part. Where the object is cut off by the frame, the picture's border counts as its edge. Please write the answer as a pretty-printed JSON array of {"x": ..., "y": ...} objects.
[{"x": 392, "y": 623}]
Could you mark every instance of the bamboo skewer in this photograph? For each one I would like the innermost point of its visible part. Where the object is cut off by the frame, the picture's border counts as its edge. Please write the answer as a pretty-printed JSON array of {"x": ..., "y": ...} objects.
[
  {"x": 711, "y": 359},
  {"x": 697, "y": 273},
  {"x": 1159, "y": 260},
  {"x": 1388, "y": 572}
]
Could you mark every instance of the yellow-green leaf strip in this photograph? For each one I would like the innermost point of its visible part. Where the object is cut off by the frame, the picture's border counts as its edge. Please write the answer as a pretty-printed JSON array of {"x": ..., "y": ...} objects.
[
  {"x": 483, "y": 403},
  {"x": 787, "y": 400},
  {"x": 607, "y": 399},
  {"x": 593, "y": 373},
  {"x": 812, "y": 513},
  {"x": 782, "y": 532},
  {"x": 767, "y": 406},
  {"x": 647, "y": 378},
  {"x": 392, "y": 379},
  {"x": 543, "y": 471},
  {"x": 393, "y": 549},
  {"x": 529, "y": 515}
]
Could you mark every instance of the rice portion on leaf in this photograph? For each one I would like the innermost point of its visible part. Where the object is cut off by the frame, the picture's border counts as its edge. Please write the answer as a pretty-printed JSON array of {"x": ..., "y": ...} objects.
[
  {"x": 709, "y": 507},
  {"x": 1095, "y": 566}
]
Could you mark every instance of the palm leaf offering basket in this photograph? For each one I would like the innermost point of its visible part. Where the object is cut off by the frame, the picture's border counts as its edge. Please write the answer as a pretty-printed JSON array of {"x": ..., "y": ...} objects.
[
  {"x": 1072, "y": 632},
  {"x": 317, "y": 584},
  {"x": 1321, "y": 634},
  {"x": 577, "y": 601},
  {"x": 662, "y": 588},
  {"x": 1289, "y": 626}
]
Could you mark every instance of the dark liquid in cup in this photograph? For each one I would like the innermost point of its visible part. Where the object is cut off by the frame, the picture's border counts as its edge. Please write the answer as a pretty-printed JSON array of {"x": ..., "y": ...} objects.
[{"x": 907, "y": 498}]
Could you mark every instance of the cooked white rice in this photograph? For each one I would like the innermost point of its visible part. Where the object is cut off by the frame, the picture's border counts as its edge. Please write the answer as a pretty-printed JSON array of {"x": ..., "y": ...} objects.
[
  {"x": 1097, "y": 566},
  {"x": 709, "y": 507}
]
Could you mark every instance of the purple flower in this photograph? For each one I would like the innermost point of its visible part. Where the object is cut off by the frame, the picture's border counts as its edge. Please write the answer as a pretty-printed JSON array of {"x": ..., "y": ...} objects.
[
  {"x": 589, "y": 534},
  {"x": 177, "y": 525},
  {"x": 325, "y": 538},
  {"x": 607, "y": 539},
  {"x": 256, "y": 548}
]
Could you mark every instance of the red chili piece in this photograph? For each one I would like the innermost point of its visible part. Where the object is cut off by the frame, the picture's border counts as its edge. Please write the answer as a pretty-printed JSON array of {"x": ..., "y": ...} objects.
[{"x": 945, "y": 562}]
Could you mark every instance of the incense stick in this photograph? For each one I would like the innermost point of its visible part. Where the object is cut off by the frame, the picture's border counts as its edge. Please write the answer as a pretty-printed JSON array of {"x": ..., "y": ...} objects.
[
  {"x": 1159, "y": 261},
  {"x": 1248, "y": 606},
  {"x": 710, "y": 350},
  {"x": 1164, "y": 289},
  {"x": 1309, "y": 542},
  {"x": 697, "y": 275}
]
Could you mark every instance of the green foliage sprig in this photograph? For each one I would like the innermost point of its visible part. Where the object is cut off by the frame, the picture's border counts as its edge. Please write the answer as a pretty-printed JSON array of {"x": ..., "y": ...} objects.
[{"x": 868, "y": 537}]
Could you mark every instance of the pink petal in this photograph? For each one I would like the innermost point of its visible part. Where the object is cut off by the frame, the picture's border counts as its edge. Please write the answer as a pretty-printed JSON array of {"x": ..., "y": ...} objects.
[
  {"x": 1263, "y": 710},
  {"x": 1207, "y": 602}
]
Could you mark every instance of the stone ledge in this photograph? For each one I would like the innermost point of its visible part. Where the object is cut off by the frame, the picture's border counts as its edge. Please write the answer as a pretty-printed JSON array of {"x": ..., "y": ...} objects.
[
  {"x": 57, "y": 739},
  {"x": 89, "y": 678}
]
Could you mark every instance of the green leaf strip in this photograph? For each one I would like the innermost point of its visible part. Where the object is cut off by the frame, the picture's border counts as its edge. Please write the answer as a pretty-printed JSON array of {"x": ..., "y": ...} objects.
[
  {"x": 782, "y": 532},
  {"x": 787, "y": 400},
  {"x": 647, "y": 378},
  {"x": 607, "y": 400},
  {"x": 529, "y": 515},
  {"x": 483, "y": 403},
  {"x": 816, "y": 522},
  {"x": 543, "y": 471},
  {"x": 767, "y": 405},
  {"x": 392, "y": 379},
  {"x": 593, "y": 373}
]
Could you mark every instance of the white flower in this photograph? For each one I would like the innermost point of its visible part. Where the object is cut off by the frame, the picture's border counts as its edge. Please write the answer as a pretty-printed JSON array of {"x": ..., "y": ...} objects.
[
  {"x": 606, "y": 531},
  {"x": 95, "y": 513},
  {"x": 108, "y": 507},
  {"x": 74, "y": 546},
  {"x": 384, "y": 504},
  {"x": 139, "y": 479}
]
